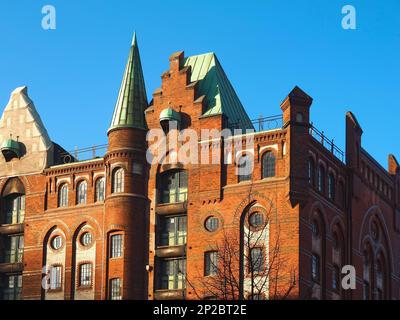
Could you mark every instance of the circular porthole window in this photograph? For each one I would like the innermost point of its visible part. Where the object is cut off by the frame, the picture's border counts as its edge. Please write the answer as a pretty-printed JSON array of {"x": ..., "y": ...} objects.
[
  {"x": 212, "y": 224},
  {"x": 256, "y": 219},
  {"x": 86, "y": 239},
  {"x": 56, "y": 242}
]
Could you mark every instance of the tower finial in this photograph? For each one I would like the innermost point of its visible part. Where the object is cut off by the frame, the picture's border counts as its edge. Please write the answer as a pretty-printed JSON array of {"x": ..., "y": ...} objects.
[{"x": 134, "y": 38}]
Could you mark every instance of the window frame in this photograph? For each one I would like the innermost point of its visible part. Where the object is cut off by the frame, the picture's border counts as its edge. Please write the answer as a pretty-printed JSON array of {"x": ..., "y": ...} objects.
[
  {"x": 88, "y": 272},
  {"x": 59, "y": 278},
  {"x": 63, "y": 191},
  {"x": 14, "y": 209},
  {"x": 112, "y": 291},
  {"x": 81, "y": 192},
  {"x": 210, "y": 263},
  {"x": 241, "y": 165},
  {"x": 268, "y": 165},
  {"x": 100, "y": 189},
  {"x": 113, "y": 250},
  {"x": 261, "y": 268},
  {"x": 321, "y": 178},
  {"x": 118, "y": 180},
  {"x": 179, "y": 236},
  {"x": 316, "y": 268},
  {"x": 331, "y": 186}
]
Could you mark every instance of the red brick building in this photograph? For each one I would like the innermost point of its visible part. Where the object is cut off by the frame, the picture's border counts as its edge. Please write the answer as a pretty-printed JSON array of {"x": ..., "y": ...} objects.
[{"x": 119, "y": 227}]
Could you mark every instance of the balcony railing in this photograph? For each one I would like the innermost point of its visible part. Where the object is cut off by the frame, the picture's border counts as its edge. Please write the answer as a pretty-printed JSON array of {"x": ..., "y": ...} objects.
[{"x": 327, "y": 143}]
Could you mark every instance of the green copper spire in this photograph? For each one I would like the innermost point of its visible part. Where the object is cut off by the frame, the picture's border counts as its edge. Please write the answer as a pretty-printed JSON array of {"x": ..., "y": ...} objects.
[{"x": 132, "y": 98}]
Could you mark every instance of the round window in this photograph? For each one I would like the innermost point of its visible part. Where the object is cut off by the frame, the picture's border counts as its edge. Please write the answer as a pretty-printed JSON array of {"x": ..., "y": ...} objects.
[
  {"x": 212, "y": 224},
  {"x": 86, "y": 239},
  {"x": 57, "y": 242},
  {"x": 256, "y": 219}
]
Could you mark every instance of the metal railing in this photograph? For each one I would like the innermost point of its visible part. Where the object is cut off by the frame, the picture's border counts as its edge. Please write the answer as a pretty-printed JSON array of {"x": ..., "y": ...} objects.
[
  {"x": 88, "y": 153},
  {"x": 260, "y": 124},
  {"x": 327, "y": 143}
]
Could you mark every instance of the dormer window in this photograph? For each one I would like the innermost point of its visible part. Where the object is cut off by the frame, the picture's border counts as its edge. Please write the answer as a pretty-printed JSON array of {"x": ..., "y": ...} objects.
[{"x": 170, "y": 119}]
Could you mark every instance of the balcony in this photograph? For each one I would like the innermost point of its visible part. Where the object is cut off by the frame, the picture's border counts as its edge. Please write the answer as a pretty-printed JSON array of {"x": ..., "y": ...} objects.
[
  {"x": 171, "y": 251},
  {"x": 169, "y": 294},
  {"x": 11, "y": 267},
  {"x": 7, "y": 229},
  {"x": 171, "y": 203}
]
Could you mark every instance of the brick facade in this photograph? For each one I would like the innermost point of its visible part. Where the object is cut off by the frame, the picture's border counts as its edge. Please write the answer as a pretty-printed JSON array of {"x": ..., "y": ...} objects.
[{"x": 342, "y": 214}]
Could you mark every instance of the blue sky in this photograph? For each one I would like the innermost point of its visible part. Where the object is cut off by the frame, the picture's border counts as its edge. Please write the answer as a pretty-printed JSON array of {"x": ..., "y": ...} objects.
[{"x": 266, "y": 48}]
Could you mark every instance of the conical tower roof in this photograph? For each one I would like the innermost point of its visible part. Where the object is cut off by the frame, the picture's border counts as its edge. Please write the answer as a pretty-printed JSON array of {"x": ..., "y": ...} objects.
[{"x": 132, "y": 98}]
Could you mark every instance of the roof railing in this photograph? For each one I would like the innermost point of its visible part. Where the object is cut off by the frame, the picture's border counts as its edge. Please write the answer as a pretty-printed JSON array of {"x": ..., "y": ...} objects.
[
  {"x": 327, "y": 143},
  {"x": 260, "y": 124},
  {"x": 83, "y": 154}
]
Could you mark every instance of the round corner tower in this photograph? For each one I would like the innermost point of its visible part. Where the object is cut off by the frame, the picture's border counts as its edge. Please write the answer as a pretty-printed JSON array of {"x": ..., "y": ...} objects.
[{"x": 126, "y": 201}]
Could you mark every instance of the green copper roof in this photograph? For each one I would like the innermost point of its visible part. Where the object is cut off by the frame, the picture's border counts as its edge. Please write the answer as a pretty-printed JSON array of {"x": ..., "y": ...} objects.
[
  {"x": 132, "y": 98},
  {"x": 170, "y": 115},
  {"x": 214, "y": 84},
  {"x": 11, "y": 146}
]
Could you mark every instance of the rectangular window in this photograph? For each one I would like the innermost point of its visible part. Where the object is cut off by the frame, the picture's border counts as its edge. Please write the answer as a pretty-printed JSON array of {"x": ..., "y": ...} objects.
[
  {"x": 173, "y": 187},
  {"x": 55, "y": 277},
  {"x": 14, "y": 249},
  {"x": 211, "y": 263},
  {"x": 116, "y": 246},
  {"x": 15, "y": 209},
  {"x": 12, "y": 287},
  {"x": 116, "y": 289},
  {"x": 256, "y": 260},
  {"x": 315, "y": 267},
  {"x": 173, "y": 231},
  {"x": 173, "y": 274},
  {"x": 85, "y": 275}
]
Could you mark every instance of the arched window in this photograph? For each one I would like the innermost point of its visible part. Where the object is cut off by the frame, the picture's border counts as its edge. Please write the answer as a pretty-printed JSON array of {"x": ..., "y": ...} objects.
[
  {"x": 81, "y": 194},
  {"x": 318, "y": 257},
  {"x": 244, "y": 168},
  {"x": 63, "y": 195},
  {"x": 331, "y": 186},
  {"x": 342, "y": 194},
  {"x": 380, "y": 278},
  {"x": 311, "y": 171},
  {"x": 100, "y": 189},
  {"x": 118, "y": 180},
  {"x": 173, "y": 186},
  {"x": 268, "y": 165},
  {"x": 367, "y": 273},
  {"x": 321, "y": 179}
]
